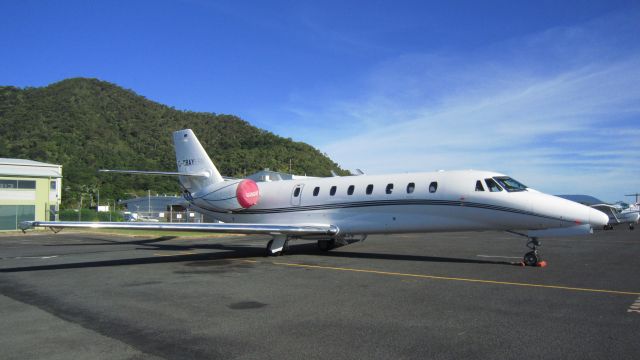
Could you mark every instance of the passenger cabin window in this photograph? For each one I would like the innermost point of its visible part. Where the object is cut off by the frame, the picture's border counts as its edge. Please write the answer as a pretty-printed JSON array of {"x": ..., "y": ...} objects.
[
  {"x": 433, "y": 187},
  {"x": 510, "y": 184},
  {"x": 333, "y": 190},
  {"x": 479, "y": 186},
  {"x": 369, "y": 189},
  {"x": 296, "y": 192},
  {"x": 411, "y": 187},
  {"x": 350, "y": 190},
  {"x": 316, "y": 191},
  {"x": 492, "y": 185},
  {"x": 389, "y": 189}
]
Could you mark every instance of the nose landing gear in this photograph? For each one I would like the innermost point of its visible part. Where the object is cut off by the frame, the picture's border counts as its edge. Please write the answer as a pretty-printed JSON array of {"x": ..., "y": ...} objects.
[{"x": 533, "y": 257}]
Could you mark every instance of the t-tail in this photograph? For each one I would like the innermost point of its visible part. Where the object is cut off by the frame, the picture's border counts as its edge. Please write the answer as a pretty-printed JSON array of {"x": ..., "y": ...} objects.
[{"x": 193, "y": 161}]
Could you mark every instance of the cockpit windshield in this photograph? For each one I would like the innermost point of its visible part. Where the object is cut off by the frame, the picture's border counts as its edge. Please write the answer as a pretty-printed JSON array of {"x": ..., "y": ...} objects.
[{"x": 510, "y": 184}]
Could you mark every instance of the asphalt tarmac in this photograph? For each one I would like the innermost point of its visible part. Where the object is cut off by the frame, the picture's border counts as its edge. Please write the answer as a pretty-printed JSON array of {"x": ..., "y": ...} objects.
[{"x": 438, "y": 296}]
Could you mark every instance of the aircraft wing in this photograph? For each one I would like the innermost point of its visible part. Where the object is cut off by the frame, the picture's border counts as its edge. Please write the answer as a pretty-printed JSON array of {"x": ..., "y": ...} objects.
[
  {"x": 610, "y": 210},
  {"x": 269, "y": 229}
]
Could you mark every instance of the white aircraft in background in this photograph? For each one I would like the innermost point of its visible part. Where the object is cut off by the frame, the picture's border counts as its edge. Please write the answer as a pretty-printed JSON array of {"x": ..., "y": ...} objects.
[
  {"x": 339, "y": 209},
  {"x": 629, "y": 214},
  {"x": 618, "y": 213}
]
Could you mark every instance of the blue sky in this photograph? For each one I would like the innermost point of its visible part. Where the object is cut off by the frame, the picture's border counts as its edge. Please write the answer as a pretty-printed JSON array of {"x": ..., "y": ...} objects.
[{"x": 546, "y": 91}]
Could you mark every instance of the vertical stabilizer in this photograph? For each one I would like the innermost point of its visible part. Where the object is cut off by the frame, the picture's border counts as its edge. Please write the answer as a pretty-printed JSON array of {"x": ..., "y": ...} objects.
[{"x": 192, "y": 159}]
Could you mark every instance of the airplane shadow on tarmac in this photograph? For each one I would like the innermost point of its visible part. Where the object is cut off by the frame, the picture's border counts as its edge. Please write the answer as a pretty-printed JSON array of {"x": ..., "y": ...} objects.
[{"x": 225, "y": 252}]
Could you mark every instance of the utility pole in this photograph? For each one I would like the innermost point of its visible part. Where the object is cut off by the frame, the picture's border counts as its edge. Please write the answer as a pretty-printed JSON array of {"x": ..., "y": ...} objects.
[
  {"x": 149, "y": 201},
  {"x": 80, "y": 210}
]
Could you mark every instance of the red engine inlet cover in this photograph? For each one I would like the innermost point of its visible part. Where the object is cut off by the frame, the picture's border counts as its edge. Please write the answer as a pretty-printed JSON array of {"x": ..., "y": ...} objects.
[{"x": 247, "y": 193}]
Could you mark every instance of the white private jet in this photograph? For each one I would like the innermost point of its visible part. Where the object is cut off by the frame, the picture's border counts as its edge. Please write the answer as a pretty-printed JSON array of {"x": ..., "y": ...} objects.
[{"x": 335, "y": 210}]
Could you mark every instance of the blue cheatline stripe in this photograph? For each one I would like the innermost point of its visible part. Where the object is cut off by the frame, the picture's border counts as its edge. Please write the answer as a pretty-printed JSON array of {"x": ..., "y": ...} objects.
[{"x": 405, "y": 202}]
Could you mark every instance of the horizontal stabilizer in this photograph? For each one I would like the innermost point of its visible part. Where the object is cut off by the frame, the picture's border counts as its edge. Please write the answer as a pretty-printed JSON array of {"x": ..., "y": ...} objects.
[
  {"x": 269, "y": 229},
  {"x": 169, "y": 173}
]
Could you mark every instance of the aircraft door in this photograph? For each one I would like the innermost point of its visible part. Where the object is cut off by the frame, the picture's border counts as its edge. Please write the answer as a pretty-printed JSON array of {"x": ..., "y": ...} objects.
[{"x": 296, "y": 195}]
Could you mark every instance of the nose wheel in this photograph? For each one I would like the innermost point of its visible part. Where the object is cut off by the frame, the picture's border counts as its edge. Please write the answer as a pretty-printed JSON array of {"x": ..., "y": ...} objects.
[{"x": 533, "y": 257}]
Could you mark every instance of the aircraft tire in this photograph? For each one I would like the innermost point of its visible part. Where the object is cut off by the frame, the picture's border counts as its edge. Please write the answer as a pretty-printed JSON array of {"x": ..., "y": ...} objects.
[
  {"x": 530, "y": 258},
  {"x": 268, "y": 250}
]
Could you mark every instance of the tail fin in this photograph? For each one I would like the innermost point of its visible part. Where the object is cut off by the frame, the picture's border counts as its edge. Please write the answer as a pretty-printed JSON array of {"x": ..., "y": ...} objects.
[{"x": 192, "y": 158}]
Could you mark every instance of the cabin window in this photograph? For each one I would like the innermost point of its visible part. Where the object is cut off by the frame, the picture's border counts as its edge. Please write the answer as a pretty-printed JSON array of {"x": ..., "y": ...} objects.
[
  {"x": 492, "y": 185},
  {"x": 296, "y": 192},
  {"x": 333, "y": 190},
  {"x": 53, "y": 185},
  {"x": 389, "y": 189},
  {"x": 479, "y": 186},
  {"x": 433, "y": 187},
  {"x": 369, "y": 189},
  {"x": 411, "y": 187},
  {"x": 316, "y": 191},
  {"x": 350, "y": 190}
]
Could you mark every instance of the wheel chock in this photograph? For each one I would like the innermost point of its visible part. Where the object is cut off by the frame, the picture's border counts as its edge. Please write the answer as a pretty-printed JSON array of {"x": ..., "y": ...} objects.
[{"x": 542, "y": 263}]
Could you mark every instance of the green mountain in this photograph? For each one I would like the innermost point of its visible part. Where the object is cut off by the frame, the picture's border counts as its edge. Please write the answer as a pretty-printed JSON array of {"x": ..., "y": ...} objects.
[{"x": 88, "y": 124}]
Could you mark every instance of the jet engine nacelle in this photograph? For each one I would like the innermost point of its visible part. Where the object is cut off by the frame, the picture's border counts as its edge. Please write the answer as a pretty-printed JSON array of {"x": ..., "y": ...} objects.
[{"x": 234, "y": 195}]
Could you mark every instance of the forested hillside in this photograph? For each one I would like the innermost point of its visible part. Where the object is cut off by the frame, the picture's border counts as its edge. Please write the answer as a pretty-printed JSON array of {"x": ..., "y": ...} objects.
[{"x": 88, "y": 124}]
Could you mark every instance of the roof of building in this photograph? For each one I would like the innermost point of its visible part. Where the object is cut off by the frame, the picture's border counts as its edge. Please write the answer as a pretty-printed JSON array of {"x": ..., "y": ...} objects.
[{"x": 29, "y": 168}]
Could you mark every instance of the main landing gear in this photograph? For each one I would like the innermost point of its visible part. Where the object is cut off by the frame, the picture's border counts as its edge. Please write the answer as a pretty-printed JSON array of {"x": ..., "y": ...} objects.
[
  {"x": 277, "y": 246},
  {"x": 533, "y": 257}
]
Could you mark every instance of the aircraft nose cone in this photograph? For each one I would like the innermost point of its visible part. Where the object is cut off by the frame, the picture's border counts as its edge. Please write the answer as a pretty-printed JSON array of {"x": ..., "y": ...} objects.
[{"x": 597, "y": 218}]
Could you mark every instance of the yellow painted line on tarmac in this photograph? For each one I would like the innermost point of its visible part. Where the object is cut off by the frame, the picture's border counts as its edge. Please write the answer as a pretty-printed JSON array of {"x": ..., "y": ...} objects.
[
  {"x": 177, "y": 253},
  {"x": 433, "y": 277}
]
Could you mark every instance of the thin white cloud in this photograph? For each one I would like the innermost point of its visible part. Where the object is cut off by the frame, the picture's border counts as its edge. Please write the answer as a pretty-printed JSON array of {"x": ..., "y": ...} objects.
[{"x": 571, "y": 127}]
